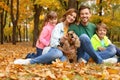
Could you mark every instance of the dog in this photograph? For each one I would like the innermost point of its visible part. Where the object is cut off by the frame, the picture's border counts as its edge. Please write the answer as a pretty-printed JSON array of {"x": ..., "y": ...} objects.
[{"x": 70, "y": 43}]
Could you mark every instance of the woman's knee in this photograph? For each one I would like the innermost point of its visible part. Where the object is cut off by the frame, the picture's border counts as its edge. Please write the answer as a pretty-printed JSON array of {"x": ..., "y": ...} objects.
[{"x": 57, "y": 53}]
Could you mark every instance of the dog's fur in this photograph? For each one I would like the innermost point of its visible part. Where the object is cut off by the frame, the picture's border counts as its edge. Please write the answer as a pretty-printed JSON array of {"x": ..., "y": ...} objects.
[{"x": 70, "y": 44}]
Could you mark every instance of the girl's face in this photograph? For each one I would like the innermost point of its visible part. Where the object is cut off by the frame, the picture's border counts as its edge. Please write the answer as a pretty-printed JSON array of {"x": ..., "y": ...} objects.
[
  {"x": 85, "y": 15},
  {"x": 53, "y": 21},
  {"x": 71, "y": 17},
  {"x": 101, "y": 32}
]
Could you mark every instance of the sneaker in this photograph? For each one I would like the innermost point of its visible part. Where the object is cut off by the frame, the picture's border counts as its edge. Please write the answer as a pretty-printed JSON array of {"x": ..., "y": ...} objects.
[
  {"x": 22, "y": 61},
  {"x": 82, "y": 60},
  {"x": 111, "y": 60}
]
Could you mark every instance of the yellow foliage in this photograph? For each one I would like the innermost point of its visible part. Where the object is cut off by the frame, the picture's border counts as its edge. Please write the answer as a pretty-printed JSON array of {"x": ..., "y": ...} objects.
[{"x": 4, "y": 6}]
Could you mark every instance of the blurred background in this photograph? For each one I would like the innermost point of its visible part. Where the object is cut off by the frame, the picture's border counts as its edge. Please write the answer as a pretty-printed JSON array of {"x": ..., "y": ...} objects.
[{"x": 21, "y": 20}]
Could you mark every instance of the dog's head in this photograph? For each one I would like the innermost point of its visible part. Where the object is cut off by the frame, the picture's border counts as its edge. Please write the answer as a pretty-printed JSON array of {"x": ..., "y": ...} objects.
[{"x": 71, "y": 34}]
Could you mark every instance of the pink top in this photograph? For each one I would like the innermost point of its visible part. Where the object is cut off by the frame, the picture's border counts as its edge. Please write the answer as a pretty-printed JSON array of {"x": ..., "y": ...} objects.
[{"x": 44, "y": 38}]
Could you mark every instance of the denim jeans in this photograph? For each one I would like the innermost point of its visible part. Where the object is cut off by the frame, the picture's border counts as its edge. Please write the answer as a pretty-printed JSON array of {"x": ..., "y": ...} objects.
[
  {"x": 33, "y": 55},
  {"x": 108, "y": 53},
  {"x": 118, "y": 51},
  {"x": 87, "y": 50},
  {"x": 50, "y": 56}
]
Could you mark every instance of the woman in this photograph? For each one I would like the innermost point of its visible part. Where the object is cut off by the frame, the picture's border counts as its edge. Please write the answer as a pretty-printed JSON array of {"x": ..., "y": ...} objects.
[{"x": 59, "y": 31}]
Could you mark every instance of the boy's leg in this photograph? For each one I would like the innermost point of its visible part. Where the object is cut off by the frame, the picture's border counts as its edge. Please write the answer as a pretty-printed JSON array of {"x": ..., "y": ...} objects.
[
  {"x": 118, "y": 51},
  {"x": 108, "y": 53}
]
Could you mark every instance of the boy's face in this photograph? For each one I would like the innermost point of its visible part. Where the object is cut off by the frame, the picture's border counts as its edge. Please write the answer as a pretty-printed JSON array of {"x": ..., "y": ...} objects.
[
  {"x": 101, "y": 32},
  {"x": 85, "y": 15}
]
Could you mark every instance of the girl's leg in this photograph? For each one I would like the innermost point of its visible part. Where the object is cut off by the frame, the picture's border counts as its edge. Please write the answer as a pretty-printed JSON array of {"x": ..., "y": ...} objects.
[
  {"x": 33, "y": 55},
  {"x": 39, "y": 52},
  {"x": 86, "y": 47},
  {"x": 52, "y": 54}
]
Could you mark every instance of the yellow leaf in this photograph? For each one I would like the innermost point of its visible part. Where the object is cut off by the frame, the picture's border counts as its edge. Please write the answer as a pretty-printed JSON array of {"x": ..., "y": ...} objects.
[{"x": 112, "y": 71}]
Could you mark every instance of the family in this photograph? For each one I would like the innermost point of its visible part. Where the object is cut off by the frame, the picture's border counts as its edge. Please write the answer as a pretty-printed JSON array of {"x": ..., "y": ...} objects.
[{"x": 93, "y": 40}]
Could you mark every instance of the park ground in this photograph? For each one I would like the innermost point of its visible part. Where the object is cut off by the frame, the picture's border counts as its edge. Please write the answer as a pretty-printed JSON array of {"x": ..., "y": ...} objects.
[{"x": 55, "y": 71}]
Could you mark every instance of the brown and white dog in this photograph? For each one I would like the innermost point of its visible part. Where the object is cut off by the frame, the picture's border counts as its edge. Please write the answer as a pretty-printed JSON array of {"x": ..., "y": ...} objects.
[{"x": 70, "y": 43}]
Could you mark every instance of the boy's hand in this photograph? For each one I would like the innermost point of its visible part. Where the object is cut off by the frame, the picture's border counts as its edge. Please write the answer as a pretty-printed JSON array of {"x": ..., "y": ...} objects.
[{"x": 101, "y": 48}]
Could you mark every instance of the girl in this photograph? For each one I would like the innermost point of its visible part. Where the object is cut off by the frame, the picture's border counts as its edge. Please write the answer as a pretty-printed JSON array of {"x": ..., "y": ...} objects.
[
  {"x": 60, "y": 29},
  {"x": 44, "y": 38}
]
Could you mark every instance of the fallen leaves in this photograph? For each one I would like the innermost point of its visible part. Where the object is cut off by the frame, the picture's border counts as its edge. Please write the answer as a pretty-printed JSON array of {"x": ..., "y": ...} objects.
[{"x": 56, "y": 71}]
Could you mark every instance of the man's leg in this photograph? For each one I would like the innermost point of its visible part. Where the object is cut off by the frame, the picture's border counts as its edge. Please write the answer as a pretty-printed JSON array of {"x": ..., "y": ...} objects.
[{"x": 86, "y": 46}]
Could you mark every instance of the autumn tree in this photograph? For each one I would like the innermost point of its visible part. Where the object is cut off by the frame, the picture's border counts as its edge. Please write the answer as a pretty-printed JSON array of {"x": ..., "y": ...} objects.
[
  {"x": 14, "y": 18},
  {"x": 3, "y": 16}
]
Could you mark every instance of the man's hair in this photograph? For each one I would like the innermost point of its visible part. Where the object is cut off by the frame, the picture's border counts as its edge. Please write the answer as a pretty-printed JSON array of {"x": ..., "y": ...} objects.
[{"x": 83, "y": 7}]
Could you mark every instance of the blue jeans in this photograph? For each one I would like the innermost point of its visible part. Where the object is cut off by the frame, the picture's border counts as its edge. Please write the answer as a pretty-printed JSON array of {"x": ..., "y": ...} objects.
[
  {"x": 118, "y": 51},
  {"x": 33, "y": 55},
  {"x": 52, "y": 54},
  {"x": 87, "y": 50},
  {"x": 108, "y": 53}
]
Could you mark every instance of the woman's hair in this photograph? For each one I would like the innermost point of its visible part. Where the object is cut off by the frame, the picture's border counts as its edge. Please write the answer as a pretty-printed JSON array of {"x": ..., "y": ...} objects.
[
  {"x": 68, "y": 12},
  {"x": 51, "y": 15},
  {"x": 101, "y": 25}
]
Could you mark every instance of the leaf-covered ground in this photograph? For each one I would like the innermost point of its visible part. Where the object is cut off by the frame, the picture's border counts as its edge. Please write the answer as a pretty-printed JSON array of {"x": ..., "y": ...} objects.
[{"x": 55, "y": 71}]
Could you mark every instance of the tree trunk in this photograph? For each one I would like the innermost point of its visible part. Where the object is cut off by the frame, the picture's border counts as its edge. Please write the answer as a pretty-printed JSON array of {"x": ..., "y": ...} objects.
[
  {"x": 3, "y": 17},
  {"x": 72, "y": 4},
  {"x": 14, "y": 18},
  {"x": 37, "y": 9},
  {"x": 100, "y": 12}
]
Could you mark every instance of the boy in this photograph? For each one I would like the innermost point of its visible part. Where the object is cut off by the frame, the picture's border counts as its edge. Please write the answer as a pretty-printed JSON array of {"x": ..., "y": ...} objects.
[{"x": 100, "y": 41}]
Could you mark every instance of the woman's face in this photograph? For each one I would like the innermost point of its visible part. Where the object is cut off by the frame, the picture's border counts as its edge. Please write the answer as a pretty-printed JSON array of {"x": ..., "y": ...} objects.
[{"x": 71, "y": 17}]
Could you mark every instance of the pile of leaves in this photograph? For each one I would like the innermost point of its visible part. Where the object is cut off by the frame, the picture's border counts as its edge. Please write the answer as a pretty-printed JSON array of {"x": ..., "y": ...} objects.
[{"x": 55, "y": 71}]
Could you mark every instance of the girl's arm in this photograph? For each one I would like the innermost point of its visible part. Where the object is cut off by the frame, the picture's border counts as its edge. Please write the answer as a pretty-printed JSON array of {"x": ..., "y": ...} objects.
[{"x": 44, "y": 34}]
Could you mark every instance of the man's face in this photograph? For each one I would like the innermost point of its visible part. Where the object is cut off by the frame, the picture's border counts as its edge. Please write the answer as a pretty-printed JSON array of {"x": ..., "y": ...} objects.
[{"x": 85, "y": 15}]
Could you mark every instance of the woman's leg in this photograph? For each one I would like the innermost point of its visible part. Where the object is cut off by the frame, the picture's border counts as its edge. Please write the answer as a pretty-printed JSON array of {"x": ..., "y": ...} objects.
[
  {"x": 52, "y": 54},
  {"x": 86, "y": 47}
]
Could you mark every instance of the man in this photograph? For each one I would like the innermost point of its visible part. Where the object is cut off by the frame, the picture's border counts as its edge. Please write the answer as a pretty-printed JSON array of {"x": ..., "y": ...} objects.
[{"x": 85, "y": 31}]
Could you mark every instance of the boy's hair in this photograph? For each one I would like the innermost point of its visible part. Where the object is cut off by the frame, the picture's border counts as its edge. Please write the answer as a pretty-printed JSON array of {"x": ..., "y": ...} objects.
[
  {"x": 101, "y": 25},
  {"x": 84, "y": 7}
]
